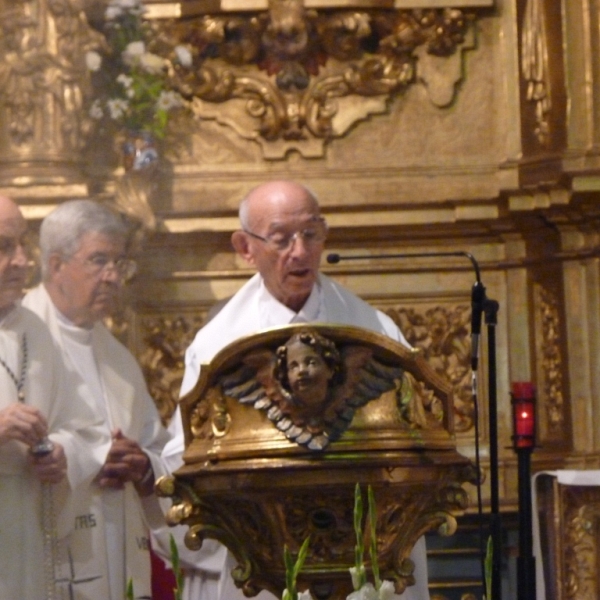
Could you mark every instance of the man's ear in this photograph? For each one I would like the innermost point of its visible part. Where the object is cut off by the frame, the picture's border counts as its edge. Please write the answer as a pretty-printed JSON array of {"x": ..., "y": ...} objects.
[
  {"x": 241, "y": 245},
  {"x": 55, "y": 262}
]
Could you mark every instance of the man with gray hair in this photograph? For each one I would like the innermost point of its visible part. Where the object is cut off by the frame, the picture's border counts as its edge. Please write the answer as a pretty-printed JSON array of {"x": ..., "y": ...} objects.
[{"x": 84, "y": 265}]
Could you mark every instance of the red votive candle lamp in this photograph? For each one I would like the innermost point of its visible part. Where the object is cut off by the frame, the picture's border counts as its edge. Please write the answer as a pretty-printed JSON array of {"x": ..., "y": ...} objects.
[{"x": 523, "y": 404}]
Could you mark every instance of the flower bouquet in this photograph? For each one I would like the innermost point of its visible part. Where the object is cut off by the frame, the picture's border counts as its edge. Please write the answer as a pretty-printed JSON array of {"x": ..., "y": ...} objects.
[{"x": 131, "y": 81}]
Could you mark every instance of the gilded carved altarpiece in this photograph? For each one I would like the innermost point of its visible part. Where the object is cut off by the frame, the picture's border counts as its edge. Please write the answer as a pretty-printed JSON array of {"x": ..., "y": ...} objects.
[{"x": 422, "y": 126}]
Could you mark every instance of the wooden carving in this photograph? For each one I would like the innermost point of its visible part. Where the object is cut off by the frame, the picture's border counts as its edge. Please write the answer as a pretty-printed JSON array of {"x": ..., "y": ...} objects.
[
  {"x": 309, "y": 389},
  {"x": 280, "y": 428}
]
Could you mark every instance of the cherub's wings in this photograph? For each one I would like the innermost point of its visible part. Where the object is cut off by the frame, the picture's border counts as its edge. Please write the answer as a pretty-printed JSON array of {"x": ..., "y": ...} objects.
[
  {"x": 253, "y": 382},
  {"x": 366, "y": 379}
]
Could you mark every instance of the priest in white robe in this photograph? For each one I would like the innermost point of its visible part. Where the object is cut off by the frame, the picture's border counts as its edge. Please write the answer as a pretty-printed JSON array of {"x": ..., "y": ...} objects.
[
  {"x": 36, "y": 405},
  {"x": 84, "y": 265},
  {"x": 283, "y": 237}
]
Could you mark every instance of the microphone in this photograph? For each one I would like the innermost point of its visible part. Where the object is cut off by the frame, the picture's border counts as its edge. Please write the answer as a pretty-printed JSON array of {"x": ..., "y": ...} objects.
[
  {"x": 478, "y": 298},
  {"x": 334, "y": 258},
  {"x": 477, "y": 304}
]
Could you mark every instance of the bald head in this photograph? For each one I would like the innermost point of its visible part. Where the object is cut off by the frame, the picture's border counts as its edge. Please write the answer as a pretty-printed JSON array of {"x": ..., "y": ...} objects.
[
  {"x": 267, "y": 198},
  {"x": 9, "y": 209},
  {"x": 13, "y": 259},
  {"x": 282, "y": 236}
]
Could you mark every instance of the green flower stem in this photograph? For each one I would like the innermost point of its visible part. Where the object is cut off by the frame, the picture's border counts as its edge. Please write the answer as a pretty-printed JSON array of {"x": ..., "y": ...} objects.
[
  {"x": 373, "y": 545},
  {"x": 359, "y": 550},
  {"x": 177, "y": 571},
  {"x": 292, "y": 570}
]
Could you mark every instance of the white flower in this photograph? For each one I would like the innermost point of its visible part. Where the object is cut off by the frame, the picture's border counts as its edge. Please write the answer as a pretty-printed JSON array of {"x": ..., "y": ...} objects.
[
  {"x": 387, "y": 590},
  {"x": 169, "y": 100},
  {"x": 152, "y": 63},
  {"x": 305, "y": 595},
  {"x": 357, "y": 575},
  {"x": 119, "y": 7},
  {"x": 132, "y": 52},
  {"x": 112, "y": 13},
  {"x": 129, "y": 4},
  {"x": 366, "y": 592},
  {"x": 93, "y": 60},
  {"x": 184, "y": 56},
  {"x": 117, "y": 107},
  {"x": 125, "y": 80},
  {"x": 96, "y": 111}
]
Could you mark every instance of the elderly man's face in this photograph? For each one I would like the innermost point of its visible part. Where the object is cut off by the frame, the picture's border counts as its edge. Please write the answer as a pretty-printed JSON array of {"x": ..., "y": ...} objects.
[
  {"x": 88, "y": 282},
  {"x": 290, "y": 271},
  {"x": 13, "y": 259}
]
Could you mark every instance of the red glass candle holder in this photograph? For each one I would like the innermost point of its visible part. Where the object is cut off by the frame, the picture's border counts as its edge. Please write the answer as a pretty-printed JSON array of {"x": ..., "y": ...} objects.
[{"x": 523, "y": 405}]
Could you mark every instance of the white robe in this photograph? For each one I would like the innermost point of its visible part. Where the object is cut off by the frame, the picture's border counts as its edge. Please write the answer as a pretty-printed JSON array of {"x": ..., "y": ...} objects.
[
  {"x": 71, "y": 424},
  {"x": 110, "y": 544},
  {"x": 250, "y": 310}
]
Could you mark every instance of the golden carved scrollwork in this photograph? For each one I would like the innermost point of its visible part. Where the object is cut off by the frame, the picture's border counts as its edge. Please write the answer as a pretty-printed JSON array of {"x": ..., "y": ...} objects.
[
  {"x": 442, "y": 334},
  {"x": 43, "y": 81},
  {"x": 296, "y": 78},
  {"x": 550, "y": 359},
  {"x": 165, "y": 340},
  {"x": 582, "y": 523},
  {"x": 289, "y": 516}
]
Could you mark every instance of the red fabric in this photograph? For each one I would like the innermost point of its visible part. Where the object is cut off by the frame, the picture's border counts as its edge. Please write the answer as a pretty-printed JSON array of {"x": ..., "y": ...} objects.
[{"x": 163, "y": 580}]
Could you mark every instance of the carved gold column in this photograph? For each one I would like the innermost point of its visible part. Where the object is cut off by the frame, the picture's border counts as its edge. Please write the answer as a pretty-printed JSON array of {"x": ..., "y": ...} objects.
[{"x": 43, "y": 82}]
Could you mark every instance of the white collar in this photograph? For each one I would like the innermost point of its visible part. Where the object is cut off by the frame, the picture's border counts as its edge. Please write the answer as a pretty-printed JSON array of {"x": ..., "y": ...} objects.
[{"x": 273, "y": 313}]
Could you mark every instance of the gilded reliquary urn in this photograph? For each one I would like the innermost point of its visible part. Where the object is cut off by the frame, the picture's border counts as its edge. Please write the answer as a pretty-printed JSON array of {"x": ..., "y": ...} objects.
[{"x": 280, "y": 428}]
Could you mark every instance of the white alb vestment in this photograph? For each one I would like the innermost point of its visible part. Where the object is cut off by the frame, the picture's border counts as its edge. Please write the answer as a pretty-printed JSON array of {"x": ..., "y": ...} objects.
[
  {"x": 250, "y": 310},
  {"x": 71, "y": 424},
  {"x": 110, "y": 542}
]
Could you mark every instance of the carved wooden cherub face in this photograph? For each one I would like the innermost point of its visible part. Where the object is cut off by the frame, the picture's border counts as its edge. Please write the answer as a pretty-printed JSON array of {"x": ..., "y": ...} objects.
[{"x": 308, "y": 374}]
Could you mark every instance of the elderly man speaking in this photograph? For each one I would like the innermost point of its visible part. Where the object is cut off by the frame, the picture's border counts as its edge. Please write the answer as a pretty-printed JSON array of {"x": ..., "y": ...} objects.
[
  {"x": 84, "y": 265},
  {"x": 282, "y": 235}
]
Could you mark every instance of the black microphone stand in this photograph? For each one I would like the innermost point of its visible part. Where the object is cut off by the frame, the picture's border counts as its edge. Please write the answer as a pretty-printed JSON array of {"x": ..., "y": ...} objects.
[
  {"x": 491, "y": 308},
  {"x": 480, "y": 305}
]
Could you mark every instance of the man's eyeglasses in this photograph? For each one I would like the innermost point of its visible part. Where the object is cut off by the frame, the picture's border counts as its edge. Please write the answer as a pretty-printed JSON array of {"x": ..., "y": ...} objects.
[
  {"x": 100, "y": 263},
  {"x": 311, "y": 235}
]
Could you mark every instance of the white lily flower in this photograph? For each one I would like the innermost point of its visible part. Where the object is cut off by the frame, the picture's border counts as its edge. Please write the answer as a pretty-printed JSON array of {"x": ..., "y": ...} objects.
[
  {"x": 93, "y": 60},
  {"x": 357, "y": 573},
  {"x": 387, "y": 590},
  {"x": 184, "y": 56},
  {"x": 305, "y": 595},
  {"x": 366, "y": 592}
]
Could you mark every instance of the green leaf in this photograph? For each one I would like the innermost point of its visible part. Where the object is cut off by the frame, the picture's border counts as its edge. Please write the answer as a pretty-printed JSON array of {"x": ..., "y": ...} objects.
[
  {"x": 373, "y": 531},
  {"x": 489, "y": 556},
  {"x": 292, "y": 569},
  {"x": 129, "y": 592},
  {"x": 177, "y": 571}
]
